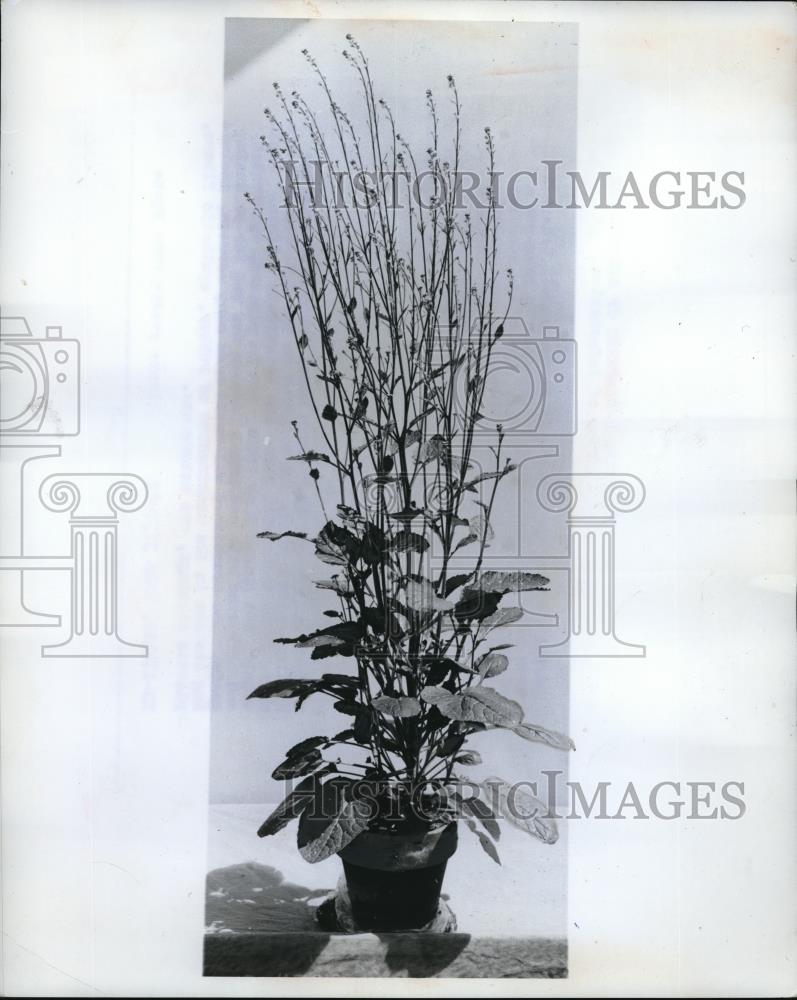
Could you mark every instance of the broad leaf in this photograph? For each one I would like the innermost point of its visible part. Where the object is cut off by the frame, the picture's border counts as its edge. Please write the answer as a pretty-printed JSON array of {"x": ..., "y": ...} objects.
[
  {"x": 492, "y": 664},
  {"x": 439, "y": 670},
  {"x": 383, "y": 622},
  {"x": 372, "y": 544},
  {"x": 469, "y": 758},
  {"x": 274, "y": 536},
  {"x": 484, "y": 815},
  {"x": 433, "y": 695},
  {"x": 422, "y": 598},
  {"x": 290, "y": 808},
  {"x": 536, "y": 734},
  {"x": 363, "y": 726},
  {"x": 336, "y": 545},
  {"x": 341, "y": 639},
  {"x": 475, "y": 605},
  {"x": 479, "y": 704},
  {"x": 310, "y": 456},
  {"x": 315, "y": 640},
  {"x": 451, "y": 744},
  {"x": 340, "y": 680},
  {"x": 347, "y": 707},
  {"x": 503, "y": 616},
  {"x": 456, "y": 581},
  {"x": 514, "y": 582},
  {"x": 402, "y": 707},
  {"x": 478, "y": 530},
  {"x": 522, "y": 809},
  {"x": 434, "y": 449},
  {"x": 285, "y": 689},
  {"x": 331, "y": 821},
  {"x": 337, "y": 584},
  {"x": 300, "y": 749},
  {"x": 489, "y": 475},
  {"x": 487, "y": 844},
  {"x": 295, "y": 767},
  {"x": 409, "y": 541}
]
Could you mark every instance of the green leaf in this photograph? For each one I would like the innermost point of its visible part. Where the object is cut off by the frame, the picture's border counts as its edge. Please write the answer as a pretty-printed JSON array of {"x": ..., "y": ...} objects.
[
  {"x": 290, "y": 808},
  {"x": 479, "y": 704},
  {"x": 340, "y": 680},
  {"x": 317, "y": 640},
  {"x": 347, "y": 707},
  {"x": 503, "y": 616},
  {"x": 536, "y": 734},
  {"x": 363, "y": 726},
  {"x": 433, "y": 449},
  {"x": 509, "y": 467},
  {"x": 340, "y": 639},
  {"x": 294, "y": 767},
  {"x": 409, "y": 541},
  {"x": 440, "y": 669},
  {"x": 300, "y": 749},
  {"x": 456, "y": 581},
  {"x": 433, "y": 695},
  {"x": 451, "y": 744},
  {"x": 382, "y": 621},
  {"x": 487, "y": 844},
  {"x": 492, "y": 664},
  {"x": 339, "y": 586},
  {"x": 336, "y": 545},
  {"x": 274, "y": 536},
  {"x": 478, "y": 530},
  {"x": 372, "y": 544},
  {"x": 468, "y": 757},
  {"x": 474, "y": 605},
  {"x": 514, "y": 582},
  {"x": 401, "y": 707},
  {"x": 484, "y": 815},
  {"x": 331, "y": 821},
  {"x": 422, "y": 598},
  {"x": 522, "y": 809},
  {"x": 284, "y": 689},
  {"x": 310, "y": 456}
]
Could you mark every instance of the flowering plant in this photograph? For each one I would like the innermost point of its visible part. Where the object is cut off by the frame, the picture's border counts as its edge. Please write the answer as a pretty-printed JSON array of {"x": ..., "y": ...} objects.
[{"x": 395, "y": 313}]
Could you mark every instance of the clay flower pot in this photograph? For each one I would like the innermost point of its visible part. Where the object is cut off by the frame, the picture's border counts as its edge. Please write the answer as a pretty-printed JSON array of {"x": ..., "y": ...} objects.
[{"x": 394, "y": 878}]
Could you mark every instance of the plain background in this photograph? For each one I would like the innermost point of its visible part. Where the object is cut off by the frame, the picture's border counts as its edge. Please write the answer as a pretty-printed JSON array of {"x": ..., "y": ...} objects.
[{"x": 112, "y": 178}]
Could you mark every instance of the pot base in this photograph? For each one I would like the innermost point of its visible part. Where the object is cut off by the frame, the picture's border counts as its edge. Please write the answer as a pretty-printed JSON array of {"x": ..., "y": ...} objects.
[{"x": 335, "y": 916}]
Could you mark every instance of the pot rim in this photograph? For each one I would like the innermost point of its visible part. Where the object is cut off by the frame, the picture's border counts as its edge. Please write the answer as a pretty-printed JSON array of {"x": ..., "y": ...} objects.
[{"x": 402, "y": 850}]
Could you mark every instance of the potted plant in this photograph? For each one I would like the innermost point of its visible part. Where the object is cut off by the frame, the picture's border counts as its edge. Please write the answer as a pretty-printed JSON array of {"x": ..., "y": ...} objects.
[{"x": 392, "y": 297}]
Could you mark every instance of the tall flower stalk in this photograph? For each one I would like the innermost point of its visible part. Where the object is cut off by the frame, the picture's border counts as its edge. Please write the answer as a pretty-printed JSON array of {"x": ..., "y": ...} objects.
[{"x": 395, "y": 303}]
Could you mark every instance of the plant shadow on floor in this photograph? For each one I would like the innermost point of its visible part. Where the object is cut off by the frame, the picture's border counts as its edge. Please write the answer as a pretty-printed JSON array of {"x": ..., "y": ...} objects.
[
  {"x": 260, "y": 925},
  {"x": 421, "y": 955},
  {"x": 245, "y": 902}
]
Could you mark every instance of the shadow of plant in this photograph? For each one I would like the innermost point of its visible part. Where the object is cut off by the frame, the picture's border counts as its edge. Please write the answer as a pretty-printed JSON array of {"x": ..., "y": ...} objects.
[
  {"x": 252, "y": 897},
  {"x": 260, "y": 925},
  {"x": 421, "y": 955},
  {"x": 243, "y": 903}
]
